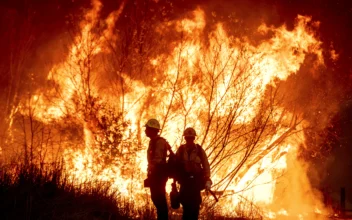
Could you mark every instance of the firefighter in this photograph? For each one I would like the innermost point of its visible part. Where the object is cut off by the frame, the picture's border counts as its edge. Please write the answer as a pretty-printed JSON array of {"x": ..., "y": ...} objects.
[
  {"x": 157, "y": 176},
  {"x": 195, "y": 175}
]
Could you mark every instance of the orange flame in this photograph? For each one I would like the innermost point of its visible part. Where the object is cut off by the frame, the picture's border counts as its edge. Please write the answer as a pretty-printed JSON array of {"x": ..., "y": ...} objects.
[{"x": 200, "y": 83}]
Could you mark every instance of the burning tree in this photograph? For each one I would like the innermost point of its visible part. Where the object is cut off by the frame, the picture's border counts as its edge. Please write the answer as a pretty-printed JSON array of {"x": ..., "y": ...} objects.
[{"x": 115, "y": 78}]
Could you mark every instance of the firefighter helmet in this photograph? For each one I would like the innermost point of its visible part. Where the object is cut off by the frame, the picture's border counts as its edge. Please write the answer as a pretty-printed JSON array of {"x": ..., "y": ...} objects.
[
  {"x": 189, "y": 132},
  {"x": 153, "y": 123}
]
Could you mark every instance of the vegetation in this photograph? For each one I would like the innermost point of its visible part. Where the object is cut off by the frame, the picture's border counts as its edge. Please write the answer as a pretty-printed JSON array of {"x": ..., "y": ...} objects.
[
  {"x": 29, "y": 192},
  {"x": 140, "y": 66},
  {"x": 33, "y": 193}
]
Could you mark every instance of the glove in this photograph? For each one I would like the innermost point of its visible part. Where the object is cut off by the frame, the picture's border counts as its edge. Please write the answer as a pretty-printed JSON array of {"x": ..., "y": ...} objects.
[{"x": 208, "y": 184}]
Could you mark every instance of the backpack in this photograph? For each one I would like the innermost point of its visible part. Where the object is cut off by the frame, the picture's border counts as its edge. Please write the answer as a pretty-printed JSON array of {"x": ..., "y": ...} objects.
[{"x": 171, "y": 167}]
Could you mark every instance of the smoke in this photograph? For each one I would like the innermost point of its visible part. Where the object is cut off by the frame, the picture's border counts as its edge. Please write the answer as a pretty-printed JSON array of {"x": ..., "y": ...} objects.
[{"x": 314, "y": 93}]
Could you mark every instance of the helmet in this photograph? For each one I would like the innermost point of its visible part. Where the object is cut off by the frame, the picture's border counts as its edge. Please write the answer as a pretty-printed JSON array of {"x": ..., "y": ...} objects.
[
  {"x": 189, "y": 132},
  {"x": 153, "y": 123}
]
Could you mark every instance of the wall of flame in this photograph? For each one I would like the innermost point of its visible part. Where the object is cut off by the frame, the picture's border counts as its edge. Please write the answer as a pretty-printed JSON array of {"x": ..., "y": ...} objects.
[{"x": 223, "y": 86}]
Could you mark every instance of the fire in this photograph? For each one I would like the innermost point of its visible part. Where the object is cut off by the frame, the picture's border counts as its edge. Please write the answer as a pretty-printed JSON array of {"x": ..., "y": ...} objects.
[{"x": 220, "y": 87}]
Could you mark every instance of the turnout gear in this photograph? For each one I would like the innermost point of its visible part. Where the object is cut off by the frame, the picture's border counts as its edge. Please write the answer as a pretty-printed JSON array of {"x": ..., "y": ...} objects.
[
  {"x": 189, "y": 132},
  {"x": 157, "y": 174},
  {"x": 190, "y": 198},
  {"x": 157, "y": 152},
  {"x": 158, "y": 162},
  {"x": 153, "y": 123},
  {"x": 194, "y": 174},
  {"x": 158, "y": 195},
  {"x": 193, "y": 161}
]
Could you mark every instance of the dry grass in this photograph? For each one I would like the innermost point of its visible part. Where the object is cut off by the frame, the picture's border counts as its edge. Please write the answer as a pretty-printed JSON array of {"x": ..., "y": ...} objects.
[
  {"x": 47, "y": 193},
  {"x": 33, "y": 193}
]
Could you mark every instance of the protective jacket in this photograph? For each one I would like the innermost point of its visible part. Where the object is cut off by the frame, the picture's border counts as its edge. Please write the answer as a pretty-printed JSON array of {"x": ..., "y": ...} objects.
[
  {"x": 157, "y": 152},
  {"x": 193, "y": 160}
]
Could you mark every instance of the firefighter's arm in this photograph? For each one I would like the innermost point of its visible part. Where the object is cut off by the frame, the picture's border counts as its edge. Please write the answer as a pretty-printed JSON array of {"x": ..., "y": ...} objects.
[
  {"x": 206, "y": 169},
  {"x": 205, "y": 165},
  {"x": 178, "y": 154}
]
